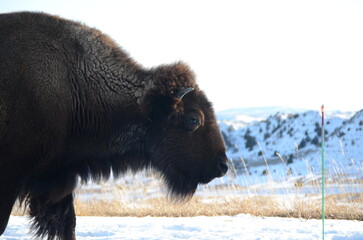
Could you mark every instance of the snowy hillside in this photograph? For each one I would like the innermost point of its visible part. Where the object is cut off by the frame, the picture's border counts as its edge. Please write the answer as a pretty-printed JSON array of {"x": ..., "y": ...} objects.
[
  {"x": 241, "y": 117},
  {"x": 292, "y": 137}
]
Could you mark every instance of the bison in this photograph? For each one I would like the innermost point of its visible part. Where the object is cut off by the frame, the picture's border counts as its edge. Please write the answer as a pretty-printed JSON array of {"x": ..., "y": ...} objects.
[{"x": 75, "y": 107}]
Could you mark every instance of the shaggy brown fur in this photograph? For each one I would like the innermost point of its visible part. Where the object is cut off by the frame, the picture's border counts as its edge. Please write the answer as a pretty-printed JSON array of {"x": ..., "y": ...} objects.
[{"x": 73, "y": 105}]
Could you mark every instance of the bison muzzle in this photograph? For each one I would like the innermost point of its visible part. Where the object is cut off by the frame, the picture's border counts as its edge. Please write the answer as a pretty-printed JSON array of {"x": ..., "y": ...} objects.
[{"x": 75, "y": 107}]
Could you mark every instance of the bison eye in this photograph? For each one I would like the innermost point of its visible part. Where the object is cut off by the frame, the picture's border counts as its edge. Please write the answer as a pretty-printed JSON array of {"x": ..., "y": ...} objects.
[
  {"x": 192, "y": 123},
  {"x": 193, "y": 119}
]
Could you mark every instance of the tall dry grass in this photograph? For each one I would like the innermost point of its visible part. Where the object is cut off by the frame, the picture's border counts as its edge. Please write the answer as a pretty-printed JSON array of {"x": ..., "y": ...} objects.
[
  {"x": 337, "y": 206},
  {"x": 144, "y": 195}
]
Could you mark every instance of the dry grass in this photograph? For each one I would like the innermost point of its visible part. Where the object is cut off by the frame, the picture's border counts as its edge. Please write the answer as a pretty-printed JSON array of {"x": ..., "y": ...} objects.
[
  {"x": 162, "y": 207},
  {"x": 337, "y": 207}
]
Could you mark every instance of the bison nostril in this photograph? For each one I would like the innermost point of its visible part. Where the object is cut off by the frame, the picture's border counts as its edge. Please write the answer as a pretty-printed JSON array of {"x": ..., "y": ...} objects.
[
  {"x": 223, "y": 167},
  {"x": 219, "y": 169}
]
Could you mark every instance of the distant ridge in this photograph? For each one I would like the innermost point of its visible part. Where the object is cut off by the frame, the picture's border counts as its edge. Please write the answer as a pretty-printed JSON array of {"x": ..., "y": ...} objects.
[{"x": 257, "y": 112}]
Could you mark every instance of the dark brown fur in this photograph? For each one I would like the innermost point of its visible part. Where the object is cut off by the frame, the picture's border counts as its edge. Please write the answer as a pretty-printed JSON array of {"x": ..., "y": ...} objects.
[{"x": 73, "y": 105}]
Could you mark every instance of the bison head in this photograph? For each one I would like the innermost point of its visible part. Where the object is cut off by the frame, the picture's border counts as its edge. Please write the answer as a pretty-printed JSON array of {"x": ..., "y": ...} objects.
[{"x": 184, "y": 142}]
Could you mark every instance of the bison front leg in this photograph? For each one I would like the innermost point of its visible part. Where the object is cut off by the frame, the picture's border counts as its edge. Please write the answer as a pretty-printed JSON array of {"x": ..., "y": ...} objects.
[
  {"x": 9, "y": 189},
  {"x": 54, "y": 220},
  {"x": 7, "y": 200}
]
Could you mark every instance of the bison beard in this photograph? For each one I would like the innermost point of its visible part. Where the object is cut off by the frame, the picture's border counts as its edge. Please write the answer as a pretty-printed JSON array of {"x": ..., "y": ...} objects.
[{"x": 75, "y": 107}]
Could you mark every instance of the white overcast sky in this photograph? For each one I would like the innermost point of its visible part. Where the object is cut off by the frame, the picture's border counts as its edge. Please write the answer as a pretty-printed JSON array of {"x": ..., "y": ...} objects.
[{"x": 245, "y": 53}]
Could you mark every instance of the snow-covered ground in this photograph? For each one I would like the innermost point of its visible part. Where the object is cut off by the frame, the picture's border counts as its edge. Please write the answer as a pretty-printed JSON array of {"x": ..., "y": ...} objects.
[{"x": 207, "y": 228}]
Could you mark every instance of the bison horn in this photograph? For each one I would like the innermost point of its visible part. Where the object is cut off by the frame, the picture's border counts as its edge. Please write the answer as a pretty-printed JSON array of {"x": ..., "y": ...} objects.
[{"x": 183, "y": 92}]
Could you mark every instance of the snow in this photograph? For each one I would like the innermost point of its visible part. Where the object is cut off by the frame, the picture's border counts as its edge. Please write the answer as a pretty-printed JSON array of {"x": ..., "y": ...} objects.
[{"x": 207, "y": 228}]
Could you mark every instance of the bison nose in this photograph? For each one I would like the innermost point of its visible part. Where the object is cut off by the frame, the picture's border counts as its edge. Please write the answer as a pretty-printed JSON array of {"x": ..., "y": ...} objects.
[{"x": 222, "y": 165}]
